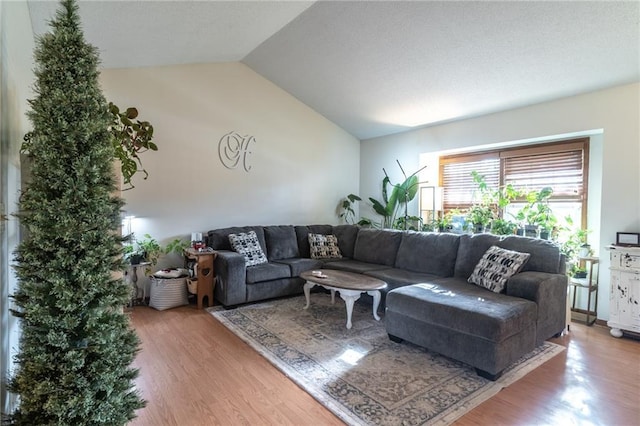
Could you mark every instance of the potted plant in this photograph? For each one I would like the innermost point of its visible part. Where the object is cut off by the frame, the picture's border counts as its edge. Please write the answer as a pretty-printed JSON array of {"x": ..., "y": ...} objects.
[
  {"x": 348, "y": 214},
  {"x": 503, "y": 227},
  {"x": 480, "y": 217}
]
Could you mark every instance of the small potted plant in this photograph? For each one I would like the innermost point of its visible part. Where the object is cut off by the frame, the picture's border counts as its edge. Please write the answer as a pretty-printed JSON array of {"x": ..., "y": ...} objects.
[{"x": 480, "y": 217}]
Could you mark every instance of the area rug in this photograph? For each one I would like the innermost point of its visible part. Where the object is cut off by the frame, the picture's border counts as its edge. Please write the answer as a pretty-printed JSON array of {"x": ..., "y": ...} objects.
[{"x": 359, "y": 374}]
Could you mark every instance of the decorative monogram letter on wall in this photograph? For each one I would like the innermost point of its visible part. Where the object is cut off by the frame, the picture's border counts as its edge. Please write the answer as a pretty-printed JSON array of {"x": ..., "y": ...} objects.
[{"x": 232, "y": 148}]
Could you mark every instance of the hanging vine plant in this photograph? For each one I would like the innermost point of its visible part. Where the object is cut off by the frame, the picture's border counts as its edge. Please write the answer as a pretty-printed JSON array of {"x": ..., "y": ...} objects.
[{"x": 130, "y": 139}]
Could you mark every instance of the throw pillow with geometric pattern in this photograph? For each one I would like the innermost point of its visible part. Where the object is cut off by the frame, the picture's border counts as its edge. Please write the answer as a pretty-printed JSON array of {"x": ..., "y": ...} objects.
[
  {"x": 247, "y": 244},
  {"x": 496, "y": 267},
  {"x": 324, "y": 246}
]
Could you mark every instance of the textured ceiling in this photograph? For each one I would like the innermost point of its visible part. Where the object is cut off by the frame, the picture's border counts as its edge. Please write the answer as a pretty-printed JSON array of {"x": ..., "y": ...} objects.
[{"x": 376, "y": 68}]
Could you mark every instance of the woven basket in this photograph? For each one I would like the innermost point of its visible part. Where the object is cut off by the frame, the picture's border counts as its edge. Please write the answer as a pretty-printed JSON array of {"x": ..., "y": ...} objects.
[
  {"x": 192, "y": 286},
  {"x": 166, "y": 293}
]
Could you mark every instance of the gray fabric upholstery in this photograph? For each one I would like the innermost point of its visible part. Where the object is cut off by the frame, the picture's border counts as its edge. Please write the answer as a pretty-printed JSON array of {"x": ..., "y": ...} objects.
[
  {"x": 301, "y": 264},
  {"x": 351, "y": 265},
  {"x": 346, "y": 235},
  {"x": 470, "y": 251},
  {"x": 378, "y": 246},
  {"x": 487, "y": 330},
  {"x": 428, "y": 252},
  {"x": 274, "y": 288},
  {"x": 219, "y": 239},
  {"x": 545, "y": 256},
  {"x": 302, "y": 235},
  {"x": 549, "y": 292},
  {"x": 395, "y": 277},
  {"x": 267, "y": 271},
  {"x": 230, "y": 270},
  {"x": 281, "y": 242}
]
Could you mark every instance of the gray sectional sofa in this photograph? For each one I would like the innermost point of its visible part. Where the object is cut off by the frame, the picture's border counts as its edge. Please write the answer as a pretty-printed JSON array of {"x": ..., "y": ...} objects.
[{"x": 428, "y": 300}]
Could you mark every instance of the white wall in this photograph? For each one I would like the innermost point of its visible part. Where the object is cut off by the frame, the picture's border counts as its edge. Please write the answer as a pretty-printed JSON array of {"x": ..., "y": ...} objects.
[
  {"x": 615, "y": 113},
  {"x": 302, "y": 165},
  {"x": 16, "y": 76}
]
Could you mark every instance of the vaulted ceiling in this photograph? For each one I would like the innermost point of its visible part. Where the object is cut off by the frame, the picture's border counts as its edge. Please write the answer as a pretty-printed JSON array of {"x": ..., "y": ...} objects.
[{"x": 377, "y": 67}]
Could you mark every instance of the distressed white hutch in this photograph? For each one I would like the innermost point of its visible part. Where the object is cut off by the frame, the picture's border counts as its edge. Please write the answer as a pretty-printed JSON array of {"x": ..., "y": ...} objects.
[{"x": 624, "y": 296}]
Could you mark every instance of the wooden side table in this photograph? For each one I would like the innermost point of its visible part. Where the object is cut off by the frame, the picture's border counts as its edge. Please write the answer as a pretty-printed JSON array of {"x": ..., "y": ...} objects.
[{"x": 204, "y": 273}]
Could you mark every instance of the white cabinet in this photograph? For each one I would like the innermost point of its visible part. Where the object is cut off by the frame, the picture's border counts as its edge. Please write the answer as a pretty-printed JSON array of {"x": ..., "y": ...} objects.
[{"x": 624, "y": 295}]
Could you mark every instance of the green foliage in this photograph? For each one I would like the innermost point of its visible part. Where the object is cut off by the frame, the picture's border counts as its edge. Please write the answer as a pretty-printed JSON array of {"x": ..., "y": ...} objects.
[
  {"x": 348, "y": 214},
  {"x": 76, "y": 345},
  {"x": 537, "y": 210},
  {"x": 130, "y": 139},
  {"x": 401, "y": 195}
]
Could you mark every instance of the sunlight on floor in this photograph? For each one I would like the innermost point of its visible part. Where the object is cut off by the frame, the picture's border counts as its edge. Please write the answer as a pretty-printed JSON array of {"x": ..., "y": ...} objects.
[{"x": 351, "y": 356}]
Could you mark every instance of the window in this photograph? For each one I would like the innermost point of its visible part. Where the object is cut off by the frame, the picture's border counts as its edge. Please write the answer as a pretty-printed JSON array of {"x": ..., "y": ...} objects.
[{"x": 559, "y": 165}]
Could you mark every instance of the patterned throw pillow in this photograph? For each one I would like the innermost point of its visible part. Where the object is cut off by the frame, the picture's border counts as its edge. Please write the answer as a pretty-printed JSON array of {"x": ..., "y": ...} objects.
[
  {"x": 324, "y": 246},
  {"x": 247, "y": 245},
  {"x": 496, "y": 267}
]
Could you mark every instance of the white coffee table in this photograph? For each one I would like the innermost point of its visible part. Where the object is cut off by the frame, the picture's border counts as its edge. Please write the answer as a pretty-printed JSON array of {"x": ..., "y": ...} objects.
[{"x": 350, "y": 285}]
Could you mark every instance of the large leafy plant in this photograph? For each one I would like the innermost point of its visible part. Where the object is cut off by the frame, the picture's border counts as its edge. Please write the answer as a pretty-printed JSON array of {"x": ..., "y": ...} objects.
[
  {"x": 395, "y": 203},
  {"x": 131, "y": 137}
]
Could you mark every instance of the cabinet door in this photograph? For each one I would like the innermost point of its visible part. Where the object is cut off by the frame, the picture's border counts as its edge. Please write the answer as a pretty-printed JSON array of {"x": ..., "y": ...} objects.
[
  {"x": 633, "y": 282},
  {"x": 629, "y": 299},
  {"x": 614, "y": 297}
]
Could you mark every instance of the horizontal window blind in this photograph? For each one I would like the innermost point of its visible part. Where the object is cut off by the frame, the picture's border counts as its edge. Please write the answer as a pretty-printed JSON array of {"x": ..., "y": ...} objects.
[
  {"x": 562, "y": 171},
  {"x": 560, "y": 165},
  {"x": 459, "y": 187}
]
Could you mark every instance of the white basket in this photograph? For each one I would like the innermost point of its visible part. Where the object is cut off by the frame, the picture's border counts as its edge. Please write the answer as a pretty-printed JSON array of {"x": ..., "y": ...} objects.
[{"x": 166, "y": 293}]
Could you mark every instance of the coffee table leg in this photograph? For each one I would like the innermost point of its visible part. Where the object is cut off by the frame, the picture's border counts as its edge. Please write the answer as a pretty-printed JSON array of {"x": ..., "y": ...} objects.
[
  {"x": 349, "y": 297},
  {"x": 333, "y": 296},
  {"x": 376, "y": 301},
  {"x": 307, "y": 290}
]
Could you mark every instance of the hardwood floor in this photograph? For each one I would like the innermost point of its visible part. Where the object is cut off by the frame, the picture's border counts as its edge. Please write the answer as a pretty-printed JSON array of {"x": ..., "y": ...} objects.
[{"x": 196, "y": 372}]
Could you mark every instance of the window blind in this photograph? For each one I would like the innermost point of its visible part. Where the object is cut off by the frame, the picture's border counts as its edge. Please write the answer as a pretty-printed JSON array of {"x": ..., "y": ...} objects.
[
  {"x": 560, "y": 165},
  {"x": 459, "y": 187}
]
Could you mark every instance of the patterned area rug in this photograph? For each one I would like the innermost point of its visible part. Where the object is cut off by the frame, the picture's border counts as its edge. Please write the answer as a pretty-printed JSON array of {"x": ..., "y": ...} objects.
[{"x": 359, "y": 374}]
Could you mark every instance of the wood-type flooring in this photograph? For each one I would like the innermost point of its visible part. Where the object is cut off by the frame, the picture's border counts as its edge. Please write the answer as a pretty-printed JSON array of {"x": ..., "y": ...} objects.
[{"x": 193, "y": 371}]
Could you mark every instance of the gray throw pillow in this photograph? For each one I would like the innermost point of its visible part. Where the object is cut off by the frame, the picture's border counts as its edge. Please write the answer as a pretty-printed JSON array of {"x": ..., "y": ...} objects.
[
  {"x": 496, "y": 266},
  {"x": 247, "y": 244}
]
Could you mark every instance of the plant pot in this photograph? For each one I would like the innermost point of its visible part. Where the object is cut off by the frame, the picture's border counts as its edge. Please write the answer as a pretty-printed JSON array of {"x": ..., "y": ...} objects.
[
  {"x": 544, "y": 234},
  {"x": 478, "y": 228},
  {"x": 585, "y": 250},
  {"x": 531, "y": 231},
  {"x": 136, "y": 259},
  {"x": 580, "y": 274}
]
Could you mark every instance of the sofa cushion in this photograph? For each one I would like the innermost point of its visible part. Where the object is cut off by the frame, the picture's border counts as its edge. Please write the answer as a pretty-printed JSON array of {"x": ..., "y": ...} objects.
[
  {"x": 247, "y": 244},
  {"x": 301, "y": 264},
  {"x": 281, "y": 242},
  {"x": 378, "y": 246},
  {"x": 428, "y": 252},
  {"x": 302, "y": 235},
  {"x": 346, "y": 235},
  {"x": 352, "y": 265},
  {"x": 395, "y": 277},
  {"x": 464, "y": 308},
  {"x": 545, "y": 255},
  {"x": 324, "y": 246},
  {"x": 267, "y": 272},
  {"x": 218, "y": 239},
  {"x": 496, "y": 267}
]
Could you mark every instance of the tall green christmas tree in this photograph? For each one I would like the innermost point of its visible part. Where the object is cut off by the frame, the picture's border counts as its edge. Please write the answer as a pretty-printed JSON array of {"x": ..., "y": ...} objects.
[{"x": 77, "y": 345}]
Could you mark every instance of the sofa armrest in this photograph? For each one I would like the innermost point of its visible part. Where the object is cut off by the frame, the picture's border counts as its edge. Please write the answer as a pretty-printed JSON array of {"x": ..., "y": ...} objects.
[
  {"x": 549, "y": 292},
  {"x": 231, "y": 276}
]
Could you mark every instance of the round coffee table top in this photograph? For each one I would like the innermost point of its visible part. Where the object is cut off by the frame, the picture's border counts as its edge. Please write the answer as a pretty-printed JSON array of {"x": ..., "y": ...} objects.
[{"x": 345, "y": 280}]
